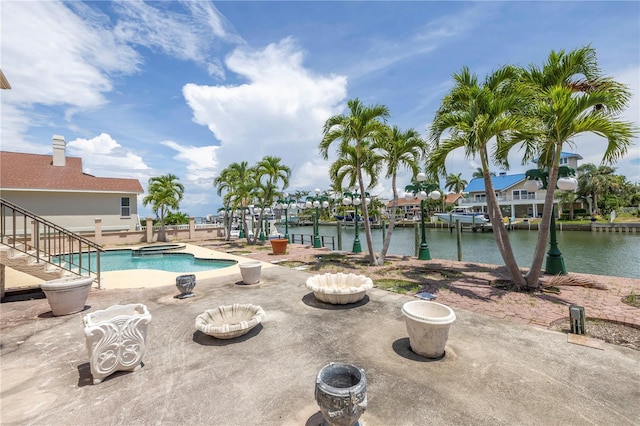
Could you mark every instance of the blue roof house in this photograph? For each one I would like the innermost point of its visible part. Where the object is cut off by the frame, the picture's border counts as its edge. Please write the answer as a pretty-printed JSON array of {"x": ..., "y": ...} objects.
[{"x": 514, "y": 199}]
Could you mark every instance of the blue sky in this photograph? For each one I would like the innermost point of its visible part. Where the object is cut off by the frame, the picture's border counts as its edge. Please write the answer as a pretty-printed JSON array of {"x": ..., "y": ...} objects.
[{"x": 143, "y": 89}]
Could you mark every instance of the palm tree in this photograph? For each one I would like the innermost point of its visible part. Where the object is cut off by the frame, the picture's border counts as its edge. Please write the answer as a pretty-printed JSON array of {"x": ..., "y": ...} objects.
[
  {"x": 359, "y": 129},
  {"x": 165, "y": 193},
  {"x": 474, "y": 114},
  {"x": 455, "y": 183},
  {"x": 270, "y": 173},
  {"x": 225, "y": 183},
  {"x": 243, "y": 183},
  {"x": 480, "y": 174},
  {"x": 399, "y": 149},
  {"x": 570, "y": 98},
  {"x": 597, "y": 182}
]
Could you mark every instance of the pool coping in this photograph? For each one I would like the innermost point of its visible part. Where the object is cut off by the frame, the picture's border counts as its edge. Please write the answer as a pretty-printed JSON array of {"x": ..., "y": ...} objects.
[{"x": 144, "y": 278}]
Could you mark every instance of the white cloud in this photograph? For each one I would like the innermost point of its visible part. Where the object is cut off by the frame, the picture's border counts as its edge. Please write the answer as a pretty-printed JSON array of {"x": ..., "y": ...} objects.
[
  {"x": 280, "y": 111},
  {"x": 104, "y": 156},
  {"x": 200, "y": 162},
  {"x": 188, "y": 36}
]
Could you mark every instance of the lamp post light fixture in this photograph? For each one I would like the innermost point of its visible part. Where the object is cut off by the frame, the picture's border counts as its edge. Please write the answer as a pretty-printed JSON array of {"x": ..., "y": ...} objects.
[
  {"x": 421, "y": 190},
  {"x": 317, "y": 201},
  {"x": 355, "y": 199},
  {"x": 285, "y": 203},
  {"x": 538, "y": 179}
]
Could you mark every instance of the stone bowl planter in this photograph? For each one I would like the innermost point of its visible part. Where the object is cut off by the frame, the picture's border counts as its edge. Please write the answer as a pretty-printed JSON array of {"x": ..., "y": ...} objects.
[
  {"x": 339, "y": 289},
  {"x": 67, "y": 295},
  {"x": 116, "y": 339},
  {"x": 250, "y": 271},
  {"x": 428, "y": 326},
  {"x": 230, "y": 321}
]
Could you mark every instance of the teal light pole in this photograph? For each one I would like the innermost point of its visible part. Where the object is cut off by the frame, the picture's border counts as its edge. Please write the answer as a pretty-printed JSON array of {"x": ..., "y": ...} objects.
[
  {"x": 317, "y": 201},
  {"x": 284, "y": 203},
  {"x": 538, "y": 179},
  {"x": 354, "y": 198},
  {"x": 421, "y": 190}
]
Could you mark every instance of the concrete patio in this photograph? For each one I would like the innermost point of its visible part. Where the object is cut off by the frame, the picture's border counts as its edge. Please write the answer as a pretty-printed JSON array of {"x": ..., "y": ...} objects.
[{"x": 495, "y": 372}]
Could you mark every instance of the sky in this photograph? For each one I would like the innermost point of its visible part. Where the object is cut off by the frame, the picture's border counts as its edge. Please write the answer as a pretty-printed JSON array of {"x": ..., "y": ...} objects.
[{"x": 142, "y": 89}]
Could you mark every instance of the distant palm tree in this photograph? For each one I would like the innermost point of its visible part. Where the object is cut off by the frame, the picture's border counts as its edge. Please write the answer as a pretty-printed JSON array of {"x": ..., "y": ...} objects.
[
  {"x": 269, "y": 175},
  {"x": 596, "y": 182},
  {"x": 165, "y": 193},
  {"x": 359, "y": 129},
  {"x": 399, "y": 149},
  {"x": 455, "y": 183},
  {"x": 480, "y": 174}
]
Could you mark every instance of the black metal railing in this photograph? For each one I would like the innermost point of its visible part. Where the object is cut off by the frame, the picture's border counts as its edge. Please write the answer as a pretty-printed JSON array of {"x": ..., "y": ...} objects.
[
  {"x": 47, "y": 242},
  {"x": 326, "y": 240}
]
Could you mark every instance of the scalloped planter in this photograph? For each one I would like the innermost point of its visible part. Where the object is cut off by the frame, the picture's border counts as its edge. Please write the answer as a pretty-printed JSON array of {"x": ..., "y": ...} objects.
[
  {"x": 67, "y": 295},
  {"x": 116, "y": 339},
  {"x": 279, "y": 245},
  {"x": 339, "y": 289},
  {"x": 230, "y": 321},
  {"x": 428, "y": 326},
  {"x": 341, "y": 393},
  {"x": 250, "y": 271}
]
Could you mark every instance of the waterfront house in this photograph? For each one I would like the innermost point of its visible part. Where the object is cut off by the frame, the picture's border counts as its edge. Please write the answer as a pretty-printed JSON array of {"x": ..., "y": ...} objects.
[
  {"x": 514, "y": 199},
  {"x": 55, "y": 188}
]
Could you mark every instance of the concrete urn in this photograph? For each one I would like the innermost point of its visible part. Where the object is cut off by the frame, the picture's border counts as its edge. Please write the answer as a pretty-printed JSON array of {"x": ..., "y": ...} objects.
[
  {"x": 428, "y": 326},
  {"x": 67, "y": 295},
  {"x": 185, "y": 285},
  {"x": 250, "y": 271},
  {"x": 341, "y": 394},
  {"x": 116, "y": 339}
]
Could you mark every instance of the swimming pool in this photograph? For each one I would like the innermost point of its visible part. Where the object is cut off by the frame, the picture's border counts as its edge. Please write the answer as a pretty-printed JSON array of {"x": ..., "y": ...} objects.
[{"x": 118, "y": 260}]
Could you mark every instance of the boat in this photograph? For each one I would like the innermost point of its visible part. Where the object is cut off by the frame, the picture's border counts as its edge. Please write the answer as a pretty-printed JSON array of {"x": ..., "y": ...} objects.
[{"x": 464, "y": 215}]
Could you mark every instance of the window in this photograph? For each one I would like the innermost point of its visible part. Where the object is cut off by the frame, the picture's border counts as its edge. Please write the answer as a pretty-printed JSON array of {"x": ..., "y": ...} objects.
[
  {"x": 523, "y": 195},
  {"x": 125, "y": 207},
  {"x": 564, "y": 161}
]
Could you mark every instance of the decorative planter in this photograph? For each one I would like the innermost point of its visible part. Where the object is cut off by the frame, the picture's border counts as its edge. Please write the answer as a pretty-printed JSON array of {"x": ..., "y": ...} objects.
[
  {"x": 341, "y": 393},
  {"x": 339, "y": 289},
  {"x": 250, "y": 271},
  {"x": 185, "y": 284},
  {"x": 279, "y": 245},
  {"x": 67, "y": 295},
  {"x": 116, "y": 339},
  {"x": 227, "y": 322},
  {"x": 428, "y": 326}
]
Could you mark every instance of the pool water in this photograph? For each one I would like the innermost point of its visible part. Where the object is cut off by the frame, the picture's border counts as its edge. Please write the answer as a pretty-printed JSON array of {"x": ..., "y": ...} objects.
[{"x": 118, "y": 260}]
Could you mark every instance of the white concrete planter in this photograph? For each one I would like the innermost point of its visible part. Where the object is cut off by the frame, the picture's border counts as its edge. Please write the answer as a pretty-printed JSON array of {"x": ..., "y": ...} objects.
[
  {"x": 428, "y": 326},
  {"x": 67, "y": 295},
  {"x": 116, "y": 339},
  {"x": 339, "y": 289},
  {"x": 250, "y": 271},
  {"x": 227, "y": 322}
]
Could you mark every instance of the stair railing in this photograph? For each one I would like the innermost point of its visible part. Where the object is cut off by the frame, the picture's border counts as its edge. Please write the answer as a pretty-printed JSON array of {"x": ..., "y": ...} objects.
[{"x": 47, "y": 242}]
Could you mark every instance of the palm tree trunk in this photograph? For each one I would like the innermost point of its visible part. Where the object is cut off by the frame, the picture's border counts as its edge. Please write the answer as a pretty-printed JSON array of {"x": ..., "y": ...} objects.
[
  {"x": 533, "y": 276},
  {"x": 365, "y": 217},
  {"x": 392, "y": 222},
  {"x": 497, "y": 223},
  {"x": 162, "y": 235}
]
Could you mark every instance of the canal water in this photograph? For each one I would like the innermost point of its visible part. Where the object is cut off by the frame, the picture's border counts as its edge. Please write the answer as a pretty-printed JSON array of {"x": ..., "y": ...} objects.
[{"x": 600, "y": 253}]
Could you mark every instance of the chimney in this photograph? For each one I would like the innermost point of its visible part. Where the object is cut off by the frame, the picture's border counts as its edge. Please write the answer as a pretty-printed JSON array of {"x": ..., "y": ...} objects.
[
  {"x": 59, "y": 151},
  {"x": 503, "y": 173}
]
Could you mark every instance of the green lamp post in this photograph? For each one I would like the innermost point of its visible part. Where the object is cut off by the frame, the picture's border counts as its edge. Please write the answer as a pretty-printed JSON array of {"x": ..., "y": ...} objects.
[
  {"x": 538, "y": 179},
  {"x": 355, "y": 199},
  {"x": 317, "y": 201},
  {"x": 421, "y": 190},
  {"x": 285, "y": 203}
]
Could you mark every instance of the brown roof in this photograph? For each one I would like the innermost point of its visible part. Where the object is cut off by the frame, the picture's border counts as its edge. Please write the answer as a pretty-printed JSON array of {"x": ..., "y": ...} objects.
[{"x": 33, "y": 171}]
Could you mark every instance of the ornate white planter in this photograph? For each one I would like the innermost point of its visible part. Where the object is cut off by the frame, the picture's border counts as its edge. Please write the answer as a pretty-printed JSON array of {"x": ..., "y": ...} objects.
[
  {"x": 229, "y": 321},
  {"x": 67, "y": 295},
  {"x": 428, "y": 326},
  {"x": 250, "y": 271},
  {"x": 341, "y": 393},
  {"x": 116, "y": 339},
  {"x": 339, "y": 289}
]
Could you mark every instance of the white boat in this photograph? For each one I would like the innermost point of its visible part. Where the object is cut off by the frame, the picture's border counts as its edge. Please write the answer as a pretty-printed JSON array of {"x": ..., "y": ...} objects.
[{"x": 465, "y": 216}]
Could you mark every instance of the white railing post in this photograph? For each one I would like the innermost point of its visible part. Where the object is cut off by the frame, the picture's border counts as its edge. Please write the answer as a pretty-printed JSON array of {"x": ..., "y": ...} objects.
[
  {"x": 149, "y": 230},
  {"x": 98, "y": 231}
]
